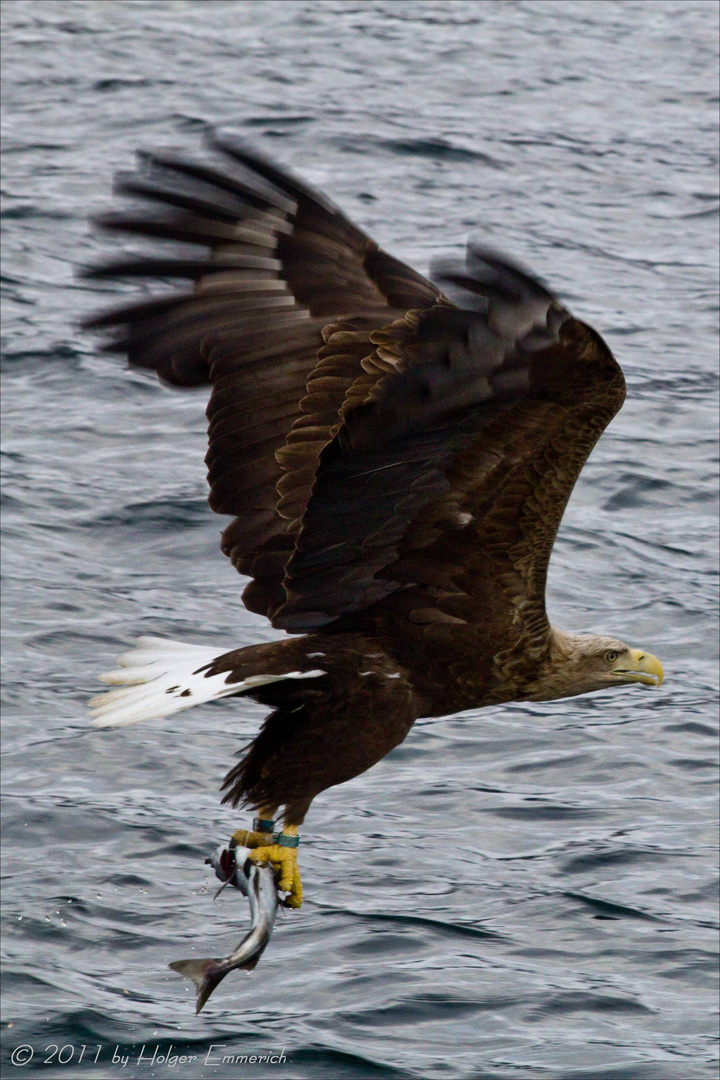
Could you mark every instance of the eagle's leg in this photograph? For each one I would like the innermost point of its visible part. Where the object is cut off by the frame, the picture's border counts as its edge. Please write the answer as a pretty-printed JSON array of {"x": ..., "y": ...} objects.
[
  {"x": 280, "y": 849},
  {"x": 282, "y": 855},
  {"x": 310, "y": 741}
]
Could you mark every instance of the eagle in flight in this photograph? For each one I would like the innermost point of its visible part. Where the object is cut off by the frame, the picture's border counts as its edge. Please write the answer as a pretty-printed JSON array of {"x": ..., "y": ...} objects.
[{"x": 396, "y": 455}]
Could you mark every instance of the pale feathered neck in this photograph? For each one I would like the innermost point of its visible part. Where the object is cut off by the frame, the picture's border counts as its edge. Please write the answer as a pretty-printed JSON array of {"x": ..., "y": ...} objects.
[{"x": 565, "y": 673}]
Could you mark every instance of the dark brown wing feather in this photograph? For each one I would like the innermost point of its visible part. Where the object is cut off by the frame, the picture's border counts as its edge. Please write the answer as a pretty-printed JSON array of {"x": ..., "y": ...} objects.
[
  {"x": 475, "y": 565},
  {"x": 266, "y": 325},
  {"x": 437, "y": 504}
]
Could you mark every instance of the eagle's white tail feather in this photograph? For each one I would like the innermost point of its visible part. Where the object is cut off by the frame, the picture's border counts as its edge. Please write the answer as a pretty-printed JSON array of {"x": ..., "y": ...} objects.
[{"x": 163, "y": 677}]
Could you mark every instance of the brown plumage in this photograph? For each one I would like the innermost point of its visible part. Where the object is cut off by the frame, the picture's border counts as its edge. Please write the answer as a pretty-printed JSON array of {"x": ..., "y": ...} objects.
[{"x": 396, "y": 455}]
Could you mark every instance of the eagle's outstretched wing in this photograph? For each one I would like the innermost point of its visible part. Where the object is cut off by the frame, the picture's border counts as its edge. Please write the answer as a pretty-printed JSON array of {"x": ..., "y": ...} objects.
[
  {"x": 389, "y": 455},
  {"x": 280, "y": 264},
  {"x": 437, "y": 503}
]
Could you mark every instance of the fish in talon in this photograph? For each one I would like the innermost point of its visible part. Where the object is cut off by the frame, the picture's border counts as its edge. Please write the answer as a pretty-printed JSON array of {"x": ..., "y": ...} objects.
[{"x": 257, "y": 882}]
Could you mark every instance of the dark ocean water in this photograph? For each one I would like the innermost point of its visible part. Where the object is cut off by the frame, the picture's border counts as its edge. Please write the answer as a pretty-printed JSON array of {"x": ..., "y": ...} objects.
[{"x": 526, "y": 892}]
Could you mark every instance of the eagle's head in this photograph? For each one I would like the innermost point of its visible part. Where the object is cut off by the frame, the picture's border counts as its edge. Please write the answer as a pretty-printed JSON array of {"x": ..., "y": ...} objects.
[{"x": 581, "y": 663}]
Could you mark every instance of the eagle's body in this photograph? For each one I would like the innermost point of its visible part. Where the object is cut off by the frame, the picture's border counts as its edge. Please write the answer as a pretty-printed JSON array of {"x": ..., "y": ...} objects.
[{"x": 397, "y": 460}]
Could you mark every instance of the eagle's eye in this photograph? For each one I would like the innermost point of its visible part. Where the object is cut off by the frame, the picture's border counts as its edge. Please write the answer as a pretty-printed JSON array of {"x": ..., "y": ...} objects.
[{"x": 611, "y": 656}]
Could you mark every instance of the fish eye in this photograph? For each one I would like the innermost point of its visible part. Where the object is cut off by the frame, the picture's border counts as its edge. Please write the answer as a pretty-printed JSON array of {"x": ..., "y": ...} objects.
[{"x": 611, "y": 656}]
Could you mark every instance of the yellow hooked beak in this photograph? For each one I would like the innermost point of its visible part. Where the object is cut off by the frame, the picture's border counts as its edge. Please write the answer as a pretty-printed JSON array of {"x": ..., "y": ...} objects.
[{"x": 643, "y": 668}]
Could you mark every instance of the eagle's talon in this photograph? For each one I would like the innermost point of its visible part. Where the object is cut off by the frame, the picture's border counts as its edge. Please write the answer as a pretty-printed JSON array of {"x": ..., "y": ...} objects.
[
  {"x": 295, "y": 898},
  {"x": 284, "y": 862}
]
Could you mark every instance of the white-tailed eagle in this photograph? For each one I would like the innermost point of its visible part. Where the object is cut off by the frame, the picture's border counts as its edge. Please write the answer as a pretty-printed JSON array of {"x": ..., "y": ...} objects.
[{"x": 396, "y": 455}]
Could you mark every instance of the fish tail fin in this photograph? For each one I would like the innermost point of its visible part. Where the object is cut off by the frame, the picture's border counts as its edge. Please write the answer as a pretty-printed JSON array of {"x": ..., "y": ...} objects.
[{"x": 204, "y": 973}]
